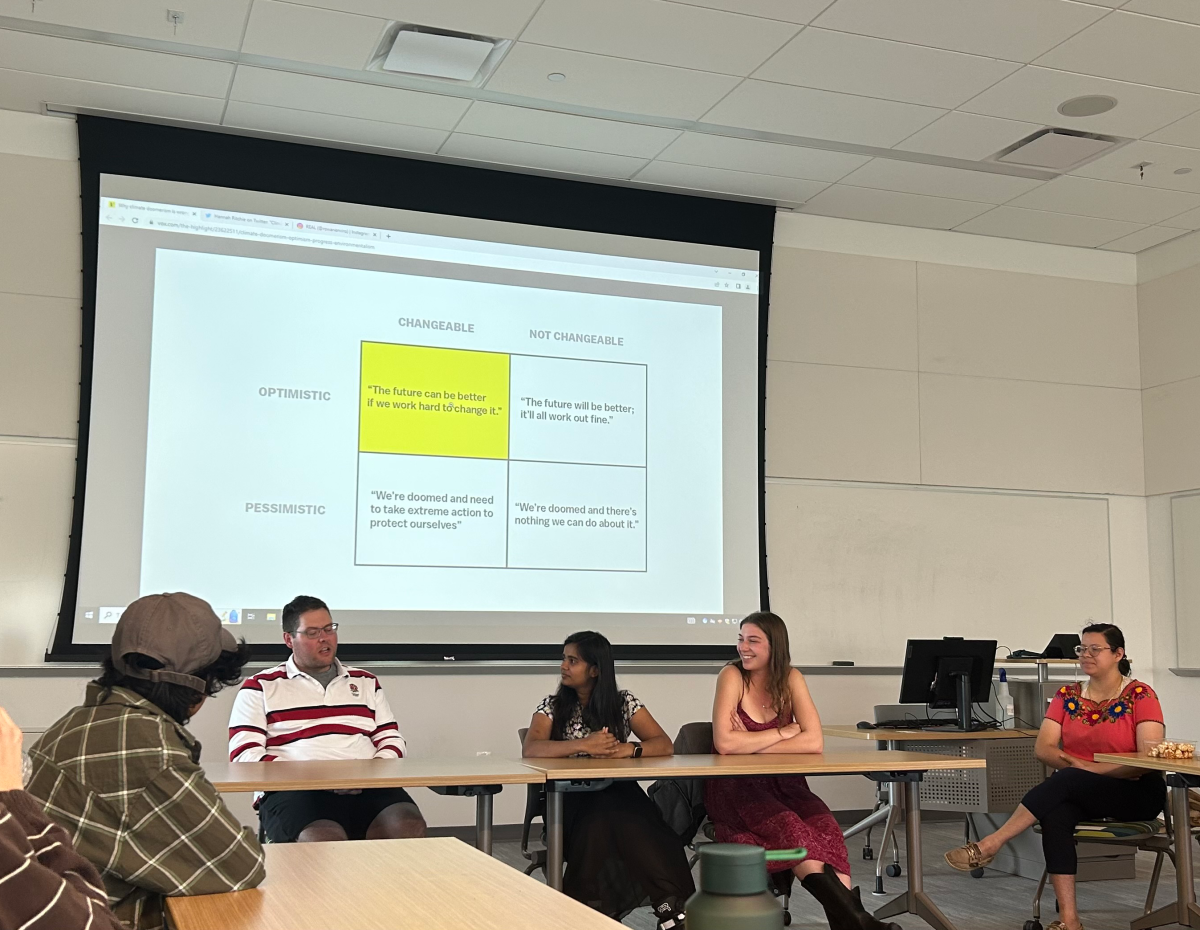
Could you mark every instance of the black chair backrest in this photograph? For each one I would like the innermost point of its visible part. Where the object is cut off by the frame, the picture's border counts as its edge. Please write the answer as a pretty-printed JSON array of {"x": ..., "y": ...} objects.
[
  {"x": 521, "y": 734},
  {"x": 681, "y": 800},
  {"x": 694, "y": 739}
]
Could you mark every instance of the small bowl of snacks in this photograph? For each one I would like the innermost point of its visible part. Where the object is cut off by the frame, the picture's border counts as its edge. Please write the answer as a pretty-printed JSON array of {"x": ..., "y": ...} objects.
[{"x": 1172, "y": 749}]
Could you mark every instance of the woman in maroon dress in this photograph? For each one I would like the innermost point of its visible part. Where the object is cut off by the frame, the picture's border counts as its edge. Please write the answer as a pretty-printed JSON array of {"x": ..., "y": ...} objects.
[{"x": 763, "y": 705}]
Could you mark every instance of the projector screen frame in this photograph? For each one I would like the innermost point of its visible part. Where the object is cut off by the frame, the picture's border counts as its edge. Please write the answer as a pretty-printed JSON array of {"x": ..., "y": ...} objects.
[{"x": 230, "y": 160}]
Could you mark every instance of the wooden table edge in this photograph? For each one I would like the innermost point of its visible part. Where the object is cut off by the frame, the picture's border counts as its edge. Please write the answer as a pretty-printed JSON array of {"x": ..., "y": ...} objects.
[
  {"x": 649, "y": 770},
  {"x": 1150, "y": 763},
  {"x": 527, "y": 775},
  {"x": 843, "y": 731}
]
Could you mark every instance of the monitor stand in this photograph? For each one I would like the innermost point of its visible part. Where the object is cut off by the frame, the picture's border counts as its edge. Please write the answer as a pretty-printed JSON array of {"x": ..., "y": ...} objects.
[{"x": 964, "y": 724}]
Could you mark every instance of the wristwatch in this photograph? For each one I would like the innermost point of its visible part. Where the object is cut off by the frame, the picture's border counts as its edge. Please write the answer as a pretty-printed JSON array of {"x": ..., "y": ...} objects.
[{"x": 637, "y": 750}]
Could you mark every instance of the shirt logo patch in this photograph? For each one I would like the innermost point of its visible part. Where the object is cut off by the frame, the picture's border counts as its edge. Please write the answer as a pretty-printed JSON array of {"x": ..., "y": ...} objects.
[{"x": 354, "y": 689}]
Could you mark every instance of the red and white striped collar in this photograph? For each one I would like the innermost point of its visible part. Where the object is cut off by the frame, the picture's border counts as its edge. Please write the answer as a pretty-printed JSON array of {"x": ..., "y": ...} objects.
[{"x": 294, "y": 672}]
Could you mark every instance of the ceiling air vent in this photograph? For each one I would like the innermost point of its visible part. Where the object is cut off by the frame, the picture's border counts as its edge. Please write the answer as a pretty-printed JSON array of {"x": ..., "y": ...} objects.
[
  {"x": 434, "y": 53},
  {"x": 1057, "y": 149}
]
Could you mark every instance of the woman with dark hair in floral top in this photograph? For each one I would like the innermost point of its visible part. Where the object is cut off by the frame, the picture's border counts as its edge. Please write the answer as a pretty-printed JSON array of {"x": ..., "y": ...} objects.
[
  {"x": 1109, "y": 713},
  {"x": 618, "y": 848}
]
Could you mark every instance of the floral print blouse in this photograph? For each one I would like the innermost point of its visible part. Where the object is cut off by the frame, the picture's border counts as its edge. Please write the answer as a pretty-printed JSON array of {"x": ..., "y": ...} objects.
[{"x": 1089, "y": 727}]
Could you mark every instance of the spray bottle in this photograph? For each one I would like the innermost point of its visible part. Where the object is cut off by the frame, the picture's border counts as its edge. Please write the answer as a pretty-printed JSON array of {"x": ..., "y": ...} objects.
[{"x": 1008, "y": 715}]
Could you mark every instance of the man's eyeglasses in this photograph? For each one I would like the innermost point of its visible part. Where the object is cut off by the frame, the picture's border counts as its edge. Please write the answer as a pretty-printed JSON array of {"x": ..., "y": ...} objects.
[
  {"x": 315, "y": 631},
  {"x": 1090, "y": 651}
]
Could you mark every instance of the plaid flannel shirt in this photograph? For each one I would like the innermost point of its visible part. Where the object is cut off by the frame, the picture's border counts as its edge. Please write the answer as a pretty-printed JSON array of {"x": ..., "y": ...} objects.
[{"x": 124, "y": 779}]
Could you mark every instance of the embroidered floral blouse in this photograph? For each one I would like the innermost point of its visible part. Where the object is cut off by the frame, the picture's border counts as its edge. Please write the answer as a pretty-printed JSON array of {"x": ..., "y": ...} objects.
[{"x": 1089, "y": 727}]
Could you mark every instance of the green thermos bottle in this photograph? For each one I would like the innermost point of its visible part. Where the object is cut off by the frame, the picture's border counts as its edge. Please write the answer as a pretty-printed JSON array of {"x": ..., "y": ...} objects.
[{"x": 733, "y": 891}]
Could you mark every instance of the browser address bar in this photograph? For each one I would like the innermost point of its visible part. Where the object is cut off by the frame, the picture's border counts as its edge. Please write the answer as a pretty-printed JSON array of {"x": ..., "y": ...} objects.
[{"x": 227, "y": 224}]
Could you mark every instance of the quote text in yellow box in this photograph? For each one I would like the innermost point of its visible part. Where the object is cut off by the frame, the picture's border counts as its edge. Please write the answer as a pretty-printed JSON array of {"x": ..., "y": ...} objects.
[{"x": 420, "y": 400}]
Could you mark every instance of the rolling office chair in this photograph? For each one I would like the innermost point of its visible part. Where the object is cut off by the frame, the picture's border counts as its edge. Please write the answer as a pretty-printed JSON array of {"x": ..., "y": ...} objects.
[{"x": 535, "y": 806}]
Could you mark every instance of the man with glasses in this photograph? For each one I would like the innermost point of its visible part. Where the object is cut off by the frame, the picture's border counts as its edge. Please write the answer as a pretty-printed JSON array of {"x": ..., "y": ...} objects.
[{"x": 314, "y": 707}]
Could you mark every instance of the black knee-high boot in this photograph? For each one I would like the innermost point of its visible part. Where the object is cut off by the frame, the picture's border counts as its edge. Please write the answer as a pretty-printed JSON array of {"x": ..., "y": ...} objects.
[{"x": 842, "y": 907}]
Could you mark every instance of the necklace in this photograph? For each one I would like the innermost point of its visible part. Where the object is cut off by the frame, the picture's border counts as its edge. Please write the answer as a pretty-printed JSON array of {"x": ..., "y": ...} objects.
[{"x": 1101, "y": 700}]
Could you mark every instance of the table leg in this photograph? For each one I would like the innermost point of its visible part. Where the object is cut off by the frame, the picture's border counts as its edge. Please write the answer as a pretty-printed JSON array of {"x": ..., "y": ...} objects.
[
  {"x": 915, "y": 900},
  {"x": 1183, "y": 911},
  {"x": 483, "y": 822},
  {"x": 554, "y": 837},
  {"x": 893, "y": 820},
  {"x": 483, "y": 808}
]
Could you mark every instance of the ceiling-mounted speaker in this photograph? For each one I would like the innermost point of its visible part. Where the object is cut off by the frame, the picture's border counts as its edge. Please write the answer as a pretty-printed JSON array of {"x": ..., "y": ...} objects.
[{"x": 1057, "y": 149}]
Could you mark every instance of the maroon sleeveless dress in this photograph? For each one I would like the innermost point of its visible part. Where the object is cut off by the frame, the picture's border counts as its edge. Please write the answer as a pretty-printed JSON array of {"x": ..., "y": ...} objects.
[{"x": 775, "y": 812}]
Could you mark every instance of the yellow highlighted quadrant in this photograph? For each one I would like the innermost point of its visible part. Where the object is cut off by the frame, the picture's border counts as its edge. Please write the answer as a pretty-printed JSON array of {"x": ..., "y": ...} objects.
[{"x": 420, "y": 400}]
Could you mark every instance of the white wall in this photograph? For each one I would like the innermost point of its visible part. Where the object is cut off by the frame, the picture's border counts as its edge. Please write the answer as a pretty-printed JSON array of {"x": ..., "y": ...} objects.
[
  {"x": 1169, "y": 324},
  {"x": 924, "y": 363}
]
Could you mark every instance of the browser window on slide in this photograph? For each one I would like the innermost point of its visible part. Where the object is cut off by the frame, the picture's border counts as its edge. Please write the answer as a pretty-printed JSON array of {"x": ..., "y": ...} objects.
[{"x": 449, "y": 438}]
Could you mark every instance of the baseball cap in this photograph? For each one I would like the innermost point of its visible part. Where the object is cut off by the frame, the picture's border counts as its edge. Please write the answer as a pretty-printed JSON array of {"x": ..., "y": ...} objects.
[{"x": 179, "y": 630}]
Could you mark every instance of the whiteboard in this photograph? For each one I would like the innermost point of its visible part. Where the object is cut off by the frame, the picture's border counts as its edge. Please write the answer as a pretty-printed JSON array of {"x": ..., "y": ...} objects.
[
  {"x": 1185, "y": 537},
  {"x": 857, "y": 570}
]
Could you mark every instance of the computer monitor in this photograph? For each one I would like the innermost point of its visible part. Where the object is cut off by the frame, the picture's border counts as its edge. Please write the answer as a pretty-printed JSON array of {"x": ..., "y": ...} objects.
[
  {"x": 950, "y": 672},
  {"x": 1061, "y": 646}
]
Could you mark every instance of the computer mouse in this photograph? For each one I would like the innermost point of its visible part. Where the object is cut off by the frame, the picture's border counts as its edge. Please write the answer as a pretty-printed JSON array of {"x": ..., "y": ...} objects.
[{"x": 866, "y": 725}]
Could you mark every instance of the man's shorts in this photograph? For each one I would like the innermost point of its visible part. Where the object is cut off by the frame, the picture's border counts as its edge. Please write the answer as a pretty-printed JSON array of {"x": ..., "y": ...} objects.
[{"x": 285, "y": 813}]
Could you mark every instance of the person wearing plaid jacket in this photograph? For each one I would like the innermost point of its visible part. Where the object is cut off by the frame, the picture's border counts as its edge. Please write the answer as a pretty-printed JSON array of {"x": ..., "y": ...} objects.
[{"x": 122, "y": 774}]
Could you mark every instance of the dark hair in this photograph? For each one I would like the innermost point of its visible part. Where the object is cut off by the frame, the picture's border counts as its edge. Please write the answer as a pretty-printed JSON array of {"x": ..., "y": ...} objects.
[
  {"x": 1115, "y": 639},
  {"x": 779, "y": 663},
  {"x": 176, "y": 700},
  {"x": 604, "y": 707},
  {"x": 297, "y": 606}
]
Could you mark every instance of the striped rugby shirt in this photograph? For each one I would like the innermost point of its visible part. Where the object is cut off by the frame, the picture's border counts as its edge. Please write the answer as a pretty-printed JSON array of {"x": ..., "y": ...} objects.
[{"x": 288, "y": 715}]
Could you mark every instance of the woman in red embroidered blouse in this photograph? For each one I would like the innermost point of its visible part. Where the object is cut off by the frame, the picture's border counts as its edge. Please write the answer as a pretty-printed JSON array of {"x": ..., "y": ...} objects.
[{"x": 1108, "y": 713}]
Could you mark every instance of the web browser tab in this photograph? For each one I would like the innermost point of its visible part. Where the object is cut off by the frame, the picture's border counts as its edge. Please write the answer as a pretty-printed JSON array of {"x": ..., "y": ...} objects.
[{"x": 303, "y": 233}]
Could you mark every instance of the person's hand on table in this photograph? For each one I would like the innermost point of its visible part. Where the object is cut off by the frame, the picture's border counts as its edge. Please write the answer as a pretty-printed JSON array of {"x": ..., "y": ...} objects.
[
  {"x": 11, "y": 778},
  {"x": 790, "y": 730},
  {"x": 600, "y": 745}
]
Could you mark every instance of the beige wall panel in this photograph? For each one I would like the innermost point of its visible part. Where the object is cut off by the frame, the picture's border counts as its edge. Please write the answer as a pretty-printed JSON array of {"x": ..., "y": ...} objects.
[
  {"x": 1171, "y": 414},
  {"x": 858, "y": 570},
  {"x": 1185, "y": 533},
  {"x": 857, "y": 424},
  {"x": 39, "y": 365},
  {"x": 1169, "y": 317},
  {"x": 39, "y": 235},
  {"x": 843, "y": 310},
  {"x": 1001, "y": 324},
  {"x": 991, "y": 433},
  {"x": 36, "y": 482}
]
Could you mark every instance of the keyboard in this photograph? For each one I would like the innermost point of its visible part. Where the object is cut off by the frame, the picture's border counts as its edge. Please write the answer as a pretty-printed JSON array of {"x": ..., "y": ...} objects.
[
  {"x": 914, "y": 723},
  {"x": 924, "y": 723}
]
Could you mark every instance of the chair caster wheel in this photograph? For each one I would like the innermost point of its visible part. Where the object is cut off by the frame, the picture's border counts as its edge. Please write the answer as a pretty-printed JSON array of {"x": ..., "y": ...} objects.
[
  {"x": 787, "y": 918},
  {"x": 878, "y": 885},
  {"x": 868, "y": 852},
  {"x": 1032, "y": 925},
  {"x": 893, "y": 870},
  {"x": 976, "y": 873}
]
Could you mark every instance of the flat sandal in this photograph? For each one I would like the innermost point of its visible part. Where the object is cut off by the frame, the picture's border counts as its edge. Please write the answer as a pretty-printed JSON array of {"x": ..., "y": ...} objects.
[{"x": 967, "y": 858}]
